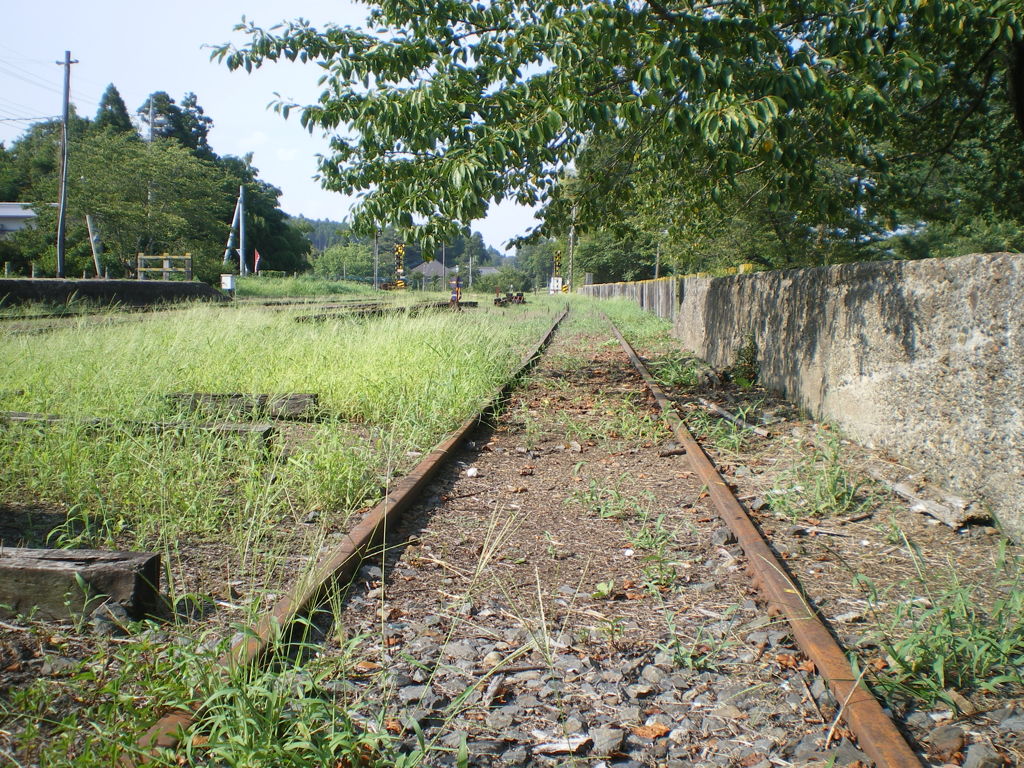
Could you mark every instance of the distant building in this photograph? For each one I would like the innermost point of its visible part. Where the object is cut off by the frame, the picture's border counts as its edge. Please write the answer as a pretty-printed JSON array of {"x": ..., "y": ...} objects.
[
  {"x": 484, "y": 271},
  {"x": 15, "y": 216},
  {"x": 432, "y": 269}
]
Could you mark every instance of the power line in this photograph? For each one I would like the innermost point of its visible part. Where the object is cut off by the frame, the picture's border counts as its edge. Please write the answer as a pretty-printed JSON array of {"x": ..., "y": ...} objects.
[
  {"x": 34, "y": 81},
  {"x": 14, "y": 65},
  {"x": 42, "y": 65},
  {"x": 39, "y": 82},
  {"x": 28, "y": 119},
  {"x": 17, "y": 109}
]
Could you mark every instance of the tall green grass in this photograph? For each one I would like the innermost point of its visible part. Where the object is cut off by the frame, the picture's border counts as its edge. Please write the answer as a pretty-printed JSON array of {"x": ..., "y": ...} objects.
[
  {"x": 299, "y": 286},
  {"x": 388, "y": 386}
]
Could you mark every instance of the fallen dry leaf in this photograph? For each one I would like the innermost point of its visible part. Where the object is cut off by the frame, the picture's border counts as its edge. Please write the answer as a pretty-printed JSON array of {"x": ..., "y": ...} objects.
[
  {"x": 878, "y": 663},
  {"x": 965, "y": 705},
  {"x": 652, "y": 731},
  {"x": 787, "y": 660}
]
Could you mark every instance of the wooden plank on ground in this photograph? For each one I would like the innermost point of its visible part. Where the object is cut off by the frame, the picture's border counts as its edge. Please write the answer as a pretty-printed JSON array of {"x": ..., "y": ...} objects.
[
  {"x": 262, "y": 430},
  {"x": 953, "y": 510},
  {"x": 55, "y": 584},
  {"x": 296, "y": 406}
]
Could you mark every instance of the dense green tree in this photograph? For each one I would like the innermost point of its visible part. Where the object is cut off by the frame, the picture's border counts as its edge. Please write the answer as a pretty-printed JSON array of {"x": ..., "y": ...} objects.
[
  {"x": 8, "y": 175},
  {"x": 113, "y": 113},
  {"x": 187, "y": 124},
  {"x": 161, "y": 117},
  {"x": 36, "y": 155},
  {"x": 345, "y": 261},
  {"x": 172, "y": 194},
  {"x": 536, "y": 259},
  {"x": 474, "y": 103},
  {"x": 323, "y": 233},
  {"x": 145, "y": 198},
  {"x": 610, "y": 259},
  {"x": 195, "y": 126},
  {"x": 507, "y": 278}
]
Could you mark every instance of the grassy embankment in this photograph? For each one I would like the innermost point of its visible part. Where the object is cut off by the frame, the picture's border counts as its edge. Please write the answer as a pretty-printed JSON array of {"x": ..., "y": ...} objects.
[{"x": 301, "y": 286}]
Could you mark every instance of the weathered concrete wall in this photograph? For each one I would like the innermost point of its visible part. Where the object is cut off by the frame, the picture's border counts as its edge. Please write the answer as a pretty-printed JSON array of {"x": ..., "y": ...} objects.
[
  {"x": 659, "y": 296},
  {"x": 922, "y": 358}
]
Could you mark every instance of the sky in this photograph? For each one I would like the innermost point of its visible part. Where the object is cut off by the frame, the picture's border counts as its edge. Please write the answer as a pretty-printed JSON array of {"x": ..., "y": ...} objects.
[{"x": 146, "y": 47}]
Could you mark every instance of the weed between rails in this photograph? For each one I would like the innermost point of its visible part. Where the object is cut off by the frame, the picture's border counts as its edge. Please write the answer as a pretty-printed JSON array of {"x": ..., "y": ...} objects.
[
  {"x": 620, "y": 424},
  {"x": 702, "y": 652},
  {"x": 609, "y": 501}
]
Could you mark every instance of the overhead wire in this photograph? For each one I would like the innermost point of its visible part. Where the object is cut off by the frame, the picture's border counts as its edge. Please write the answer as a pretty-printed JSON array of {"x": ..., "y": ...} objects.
[
  {"x": 20, "y": 73},
  {"x": 16, "y": 107},
  {"x": 33, "y": 80}
]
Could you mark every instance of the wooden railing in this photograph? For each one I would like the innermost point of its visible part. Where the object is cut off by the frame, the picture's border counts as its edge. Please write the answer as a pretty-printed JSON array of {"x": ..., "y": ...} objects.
[{"x": 165, "y": 260}]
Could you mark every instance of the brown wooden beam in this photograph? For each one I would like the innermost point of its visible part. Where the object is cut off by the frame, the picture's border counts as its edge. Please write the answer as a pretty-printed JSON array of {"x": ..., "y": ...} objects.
[{"x": 55, "y": 584}]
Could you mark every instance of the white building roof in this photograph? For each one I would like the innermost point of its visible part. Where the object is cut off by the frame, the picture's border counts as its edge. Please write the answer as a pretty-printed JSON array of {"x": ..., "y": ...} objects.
[{"x": 15, "y": 216}]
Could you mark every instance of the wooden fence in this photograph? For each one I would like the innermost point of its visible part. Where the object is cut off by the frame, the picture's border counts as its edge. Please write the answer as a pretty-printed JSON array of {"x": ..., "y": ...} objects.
[{"x": 165, "y": 267}]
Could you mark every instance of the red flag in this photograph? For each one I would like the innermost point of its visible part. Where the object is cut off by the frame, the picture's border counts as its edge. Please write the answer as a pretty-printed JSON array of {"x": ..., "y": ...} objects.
[{"x": 256, "y": 263}]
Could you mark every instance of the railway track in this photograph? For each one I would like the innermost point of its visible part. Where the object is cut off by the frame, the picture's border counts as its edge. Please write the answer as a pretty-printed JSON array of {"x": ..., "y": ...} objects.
[{"x": 555, "y": 587}]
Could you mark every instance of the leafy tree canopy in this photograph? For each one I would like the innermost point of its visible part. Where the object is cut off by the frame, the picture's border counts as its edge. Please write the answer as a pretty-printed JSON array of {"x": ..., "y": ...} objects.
[
  {"x": 345, "y": 261},
  {"x": 145, "y": 198},
  {"x": 801, "y": 105},
  {"x": 170, "y": 194}
]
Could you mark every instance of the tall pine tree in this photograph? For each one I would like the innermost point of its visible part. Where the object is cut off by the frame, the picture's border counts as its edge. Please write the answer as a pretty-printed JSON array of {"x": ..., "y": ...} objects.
[{"x": 113, "y": 113}]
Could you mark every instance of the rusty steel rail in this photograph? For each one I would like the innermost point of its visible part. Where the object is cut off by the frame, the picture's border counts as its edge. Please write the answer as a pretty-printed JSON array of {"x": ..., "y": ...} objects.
[
  {"x": 335, "y": 567},
  {"x": 876, "y": 734}
]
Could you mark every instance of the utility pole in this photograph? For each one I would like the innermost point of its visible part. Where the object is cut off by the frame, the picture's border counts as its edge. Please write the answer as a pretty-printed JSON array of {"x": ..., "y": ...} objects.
[
  {"x": 376, "y": 257},
  {"x": 94, "y": 241},
  {"x": 444, "y": 272},
  {"x": 572, "y": 246},
  {"x": 657, "y": 255},
  {"x": 63, "y": 204},
  {"x": 242, "y": 268},
  {"x": 232, "y": 236}
]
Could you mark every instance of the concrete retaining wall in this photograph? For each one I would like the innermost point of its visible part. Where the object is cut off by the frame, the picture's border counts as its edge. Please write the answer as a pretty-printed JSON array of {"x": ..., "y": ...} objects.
[
  {"x": 922, "y": 358},
  {"x": 659, "y": 296},
  {"x": 124, "y": 292}
]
